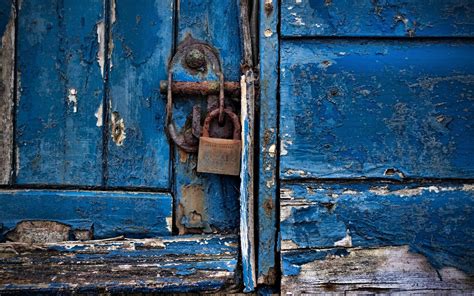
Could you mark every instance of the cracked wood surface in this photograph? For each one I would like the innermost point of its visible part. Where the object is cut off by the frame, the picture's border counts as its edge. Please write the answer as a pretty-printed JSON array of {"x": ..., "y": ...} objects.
[
  {"x": 342, "y": 237},
  {"x": 139, "y": 45},
  {"x": 389, "y": 18},
  {"x": 112, "y": 213},
  {"x": 60, "y": 88},
  {"x": 376, "y": 108},
  {"x": 356, "y": 271},
  {"x": 7, "y": 64},
  {"x": 168, "y": 264}
]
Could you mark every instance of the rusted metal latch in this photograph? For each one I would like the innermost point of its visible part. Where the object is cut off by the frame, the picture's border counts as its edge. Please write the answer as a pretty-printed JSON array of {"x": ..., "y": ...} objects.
[{"x": 196, "y": 59}]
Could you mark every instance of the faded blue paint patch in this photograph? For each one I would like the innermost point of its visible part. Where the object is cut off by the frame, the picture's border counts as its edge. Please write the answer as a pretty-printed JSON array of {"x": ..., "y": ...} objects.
[
  {"x": 59, "y": 90},
  {"x": 435, "y": 220},
  {"x": 363, "y": 108},
  {"x": 112, "y": 213},
  {"x": 142, "y": 41},
  {"x": 377, "y": 18}
]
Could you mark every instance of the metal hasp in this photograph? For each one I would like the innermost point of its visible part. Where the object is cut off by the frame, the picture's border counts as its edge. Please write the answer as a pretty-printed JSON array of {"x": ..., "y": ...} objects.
[{"x": 202, "y": 61}]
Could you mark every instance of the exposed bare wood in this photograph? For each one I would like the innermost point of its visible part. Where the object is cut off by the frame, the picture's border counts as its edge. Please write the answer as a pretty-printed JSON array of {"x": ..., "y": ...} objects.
[
  {"x": 378, "y": 270},
  {"x": 7, "y": 70}
]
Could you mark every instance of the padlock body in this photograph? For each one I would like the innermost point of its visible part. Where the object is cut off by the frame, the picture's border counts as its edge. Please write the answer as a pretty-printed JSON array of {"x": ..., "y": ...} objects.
[{"x": 219, "y": 156}]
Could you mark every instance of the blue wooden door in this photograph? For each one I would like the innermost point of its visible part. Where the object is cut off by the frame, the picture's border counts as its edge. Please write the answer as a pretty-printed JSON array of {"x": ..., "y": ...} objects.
[
  {"x": 376, "y": 145},
  {"x": 84, "y": 148}
]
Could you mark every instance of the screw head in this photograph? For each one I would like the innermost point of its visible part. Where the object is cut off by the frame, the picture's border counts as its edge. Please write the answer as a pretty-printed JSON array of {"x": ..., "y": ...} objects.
[{"x": 195, "y": 59}]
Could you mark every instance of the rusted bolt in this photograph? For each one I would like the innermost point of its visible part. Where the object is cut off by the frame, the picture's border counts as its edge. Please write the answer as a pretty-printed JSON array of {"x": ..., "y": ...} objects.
[
  {"x": 195, "y": 59},
  {"x": 268, "y": 6}
]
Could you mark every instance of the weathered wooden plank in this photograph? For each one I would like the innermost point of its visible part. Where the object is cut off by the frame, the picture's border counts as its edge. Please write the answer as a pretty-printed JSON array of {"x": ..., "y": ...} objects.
[
  {"x": 111, "y": 213},
  {"x": 267, "y": 187},
  {"x": 354, "y": 271},
  {"x": 140, "y": 46},
  {"x": 362, "y": 108},
  {"x": 433, "y": 219},
  {"x": 247, "y": 169},
  {"x": 247, "y": 196},
  {"x": 60, "y": 90},
  {"x": 7, "y": 70},
  {"x": 206, "y": 203},
  {"x": 169, "y": 264},
  {"x": 377, "y": 18}
]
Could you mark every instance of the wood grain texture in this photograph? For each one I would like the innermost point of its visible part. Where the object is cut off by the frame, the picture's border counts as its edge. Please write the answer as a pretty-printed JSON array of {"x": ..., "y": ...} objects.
[
  {"x": 169, "y": 264},
  {"x": 354, "y": 271},
  {"x": 7, "y": 71},
  {"x": 247, "y": 175},
  {"x": 140, "y": 47},
  {"x": 267, "y": 141},
  {"x": 110, "y": 213},
  {"x": 433, "y": 219},
  {"x": 60, "y": 89},
  {"x": 410, "y": 18},
  {"x": 386, "y": 108}
]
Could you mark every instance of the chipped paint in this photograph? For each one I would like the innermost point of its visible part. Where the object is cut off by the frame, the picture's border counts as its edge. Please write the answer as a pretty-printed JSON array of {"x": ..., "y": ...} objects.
[
  {"x": 191, "y": 215},
  {"x": 99, "y": 115},
  {"x": 72, "y": 99},
  {"x": 7, "y": 70},
  {"x": 384, "y": 190},
  {"x": 272, "y": 150},
  {"x": 345, "y": 242},
  {"x": 118, "y": 129},
  {"x": 101, "y": 48}
]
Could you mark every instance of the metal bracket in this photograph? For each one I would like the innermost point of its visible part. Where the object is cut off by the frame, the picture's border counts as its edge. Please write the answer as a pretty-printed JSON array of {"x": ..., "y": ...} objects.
[{"x": 198, "y": 59}]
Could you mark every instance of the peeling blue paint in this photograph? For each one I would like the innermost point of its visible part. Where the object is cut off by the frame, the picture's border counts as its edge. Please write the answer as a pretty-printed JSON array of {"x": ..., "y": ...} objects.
[
  {"x": 364, "y": 108},
  {"x": 111, "y": 213},
  {"x": 292, "y": 261},
  {"x": 436, "y": 220},
  {"x": 377, "y": 18},
  {"x": 57, "y": 139}
]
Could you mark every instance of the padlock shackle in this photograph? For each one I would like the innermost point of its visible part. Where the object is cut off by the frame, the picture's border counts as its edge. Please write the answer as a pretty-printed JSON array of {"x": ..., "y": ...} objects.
[{"x": 214, "y": 114}]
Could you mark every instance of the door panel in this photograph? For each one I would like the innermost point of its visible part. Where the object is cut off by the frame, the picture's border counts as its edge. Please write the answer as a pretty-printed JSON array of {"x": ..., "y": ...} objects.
[
  {"x": 60, "y": 89},
  {"x": 376, "y": 147},
  {"x": 140, "y": 47},
  {"x": 364, "y": 108},
  {"x": 90, "y": 120},
  {"x": 377, "y": 18}
]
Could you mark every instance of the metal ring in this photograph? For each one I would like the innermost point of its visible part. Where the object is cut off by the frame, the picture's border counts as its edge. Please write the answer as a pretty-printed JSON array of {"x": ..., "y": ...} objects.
[{"x": 213, "y": 114}]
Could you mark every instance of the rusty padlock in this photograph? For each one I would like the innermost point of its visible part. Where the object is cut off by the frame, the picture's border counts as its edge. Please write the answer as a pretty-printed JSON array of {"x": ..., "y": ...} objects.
[{"x": 220, "y": 156}]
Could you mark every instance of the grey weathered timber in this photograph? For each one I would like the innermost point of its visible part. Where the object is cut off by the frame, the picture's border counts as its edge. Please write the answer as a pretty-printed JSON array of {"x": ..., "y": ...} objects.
[
  {"x": 7, "y": 65},
  {"x": 170, "y": 264},
  {"x": 390, "y": 270}
]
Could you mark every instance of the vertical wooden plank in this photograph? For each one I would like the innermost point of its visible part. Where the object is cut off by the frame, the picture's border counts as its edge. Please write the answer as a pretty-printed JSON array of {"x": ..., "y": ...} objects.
[
  {"x": 268, "y": 138},
  {"x": 140, "y": 47},
  {"x": 212, "y": 199},
  {"x": 59, "y": 92},
  {"x": 247, "y": 172},
  {"x": 247, "y": 210},
  {"x": 7, "y": 68}
]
